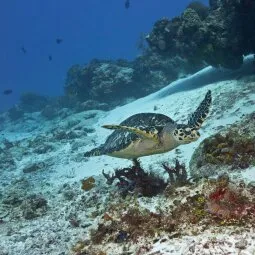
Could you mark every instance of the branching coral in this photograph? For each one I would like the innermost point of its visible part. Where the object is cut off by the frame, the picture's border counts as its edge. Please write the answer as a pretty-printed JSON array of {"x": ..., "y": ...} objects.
[
  {"x": 135, "y": 179},
  {"x": 177, "y": 174}
]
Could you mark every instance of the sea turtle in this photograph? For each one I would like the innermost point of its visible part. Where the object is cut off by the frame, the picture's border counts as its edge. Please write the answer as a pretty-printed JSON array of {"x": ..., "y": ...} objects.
[{"x": 146, "y": 134}]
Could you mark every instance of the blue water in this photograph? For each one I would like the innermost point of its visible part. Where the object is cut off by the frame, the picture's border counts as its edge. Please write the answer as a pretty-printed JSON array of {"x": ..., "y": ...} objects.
[{"x": 89, "y": 28}]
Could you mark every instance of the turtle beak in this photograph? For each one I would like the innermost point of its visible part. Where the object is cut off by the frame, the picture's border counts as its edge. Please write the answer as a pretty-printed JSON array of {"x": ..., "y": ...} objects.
[{"x": 192, "y": 137}]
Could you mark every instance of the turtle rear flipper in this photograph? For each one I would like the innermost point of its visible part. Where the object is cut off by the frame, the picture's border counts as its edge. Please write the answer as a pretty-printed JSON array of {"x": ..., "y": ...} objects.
[
  {"x": 95, "y": 152},
  {"x": 142, "y": 133},
  {"x": 198, "y": 117}
]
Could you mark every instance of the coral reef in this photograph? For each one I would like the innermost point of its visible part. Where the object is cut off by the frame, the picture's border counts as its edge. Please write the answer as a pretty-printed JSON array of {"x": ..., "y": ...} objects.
[
  {"x": 201, "y": 9},
  {"x": 7, "y": 161},
  {"x": 233, "y": 148},
  {"x": 100, "y": 80},
  {"x": 215, "y": 202},
  {"x": 219, "y": 36},
  {"x": 105, "y": 84},
  {"x": 17, "y": 202},
  {"x": 229, "y": 203}
]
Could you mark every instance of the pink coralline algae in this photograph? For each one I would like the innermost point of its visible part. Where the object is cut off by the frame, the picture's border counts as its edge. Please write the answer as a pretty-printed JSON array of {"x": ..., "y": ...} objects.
[{"x": 228, "y": 202}]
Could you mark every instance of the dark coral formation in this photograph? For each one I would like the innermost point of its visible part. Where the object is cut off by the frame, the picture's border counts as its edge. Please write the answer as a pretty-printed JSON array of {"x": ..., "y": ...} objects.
[
  {"x": 32, "y": 102},
  {"x": 135, "y": 180},
  {"x": 33, "y": 167},
  {"x": 233, "y": 148},
  {"x": 15, "y": 113},
  {"x": 220, "y": 35},
  {"x": 100, "y": 79},
  {"x": 33, "y": 206}
]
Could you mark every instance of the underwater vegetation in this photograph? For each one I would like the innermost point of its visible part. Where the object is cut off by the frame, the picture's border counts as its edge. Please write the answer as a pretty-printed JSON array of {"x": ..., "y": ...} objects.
[
  {"x": 233, "y": 147},
  {"x": 134, "y": 180},
  {"x": 188, "y": 210}
]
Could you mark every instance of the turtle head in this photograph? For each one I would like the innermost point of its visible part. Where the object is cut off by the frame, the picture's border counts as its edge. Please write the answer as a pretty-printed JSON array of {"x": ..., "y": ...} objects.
[{"x": 185, "y": 134}]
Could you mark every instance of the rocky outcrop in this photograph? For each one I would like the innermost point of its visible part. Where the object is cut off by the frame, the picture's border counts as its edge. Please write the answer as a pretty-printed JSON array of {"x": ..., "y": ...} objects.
[
  {"x": 230, "y": 150},
  {"x": 220, "y": 35},
  {"x": 114, "y": 82}
]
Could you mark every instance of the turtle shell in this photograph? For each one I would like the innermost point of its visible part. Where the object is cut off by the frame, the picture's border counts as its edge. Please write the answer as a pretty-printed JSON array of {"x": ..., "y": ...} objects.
[{"x": 120, "y": 139}]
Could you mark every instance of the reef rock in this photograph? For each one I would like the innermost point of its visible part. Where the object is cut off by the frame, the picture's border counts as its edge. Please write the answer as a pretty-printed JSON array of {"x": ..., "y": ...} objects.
[
  {"x": 220, "y": 35},
  {"x": 229, "y": 150},
  {"x": 105, "y": 84}
]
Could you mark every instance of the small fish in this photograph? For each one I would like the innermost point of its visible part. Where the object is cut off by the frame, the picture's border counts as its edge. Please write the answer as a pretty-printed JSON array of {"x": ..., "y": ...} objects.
[
  {"x": 127, "y": 4},
  {"x": 23, "y": 50},
  {"x": 50, "y": 57},
  {"x": 59, "y": 40},
  {"x": 7, "y": 91}
]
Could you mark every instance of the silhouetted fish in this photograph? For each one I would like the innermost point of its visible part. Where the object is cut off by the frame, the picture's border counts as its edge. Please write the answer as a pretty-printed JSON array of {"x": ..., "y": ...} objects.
[
  {"x": 127, "y": 4},
  {"x": 7, "y": 91},
  {"x": 59, "y": 40},
  {"x": 23, "y": 50},
  {"x": 50, "y": 57}
]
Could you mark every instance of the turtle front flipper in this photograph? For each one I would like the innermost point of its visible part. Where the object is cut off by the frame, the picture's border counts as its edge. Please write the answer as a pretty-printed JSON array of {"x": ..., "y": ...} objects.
[
  {"x": 198, "y": 117},
  {"x": 142, "y": 133}
]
